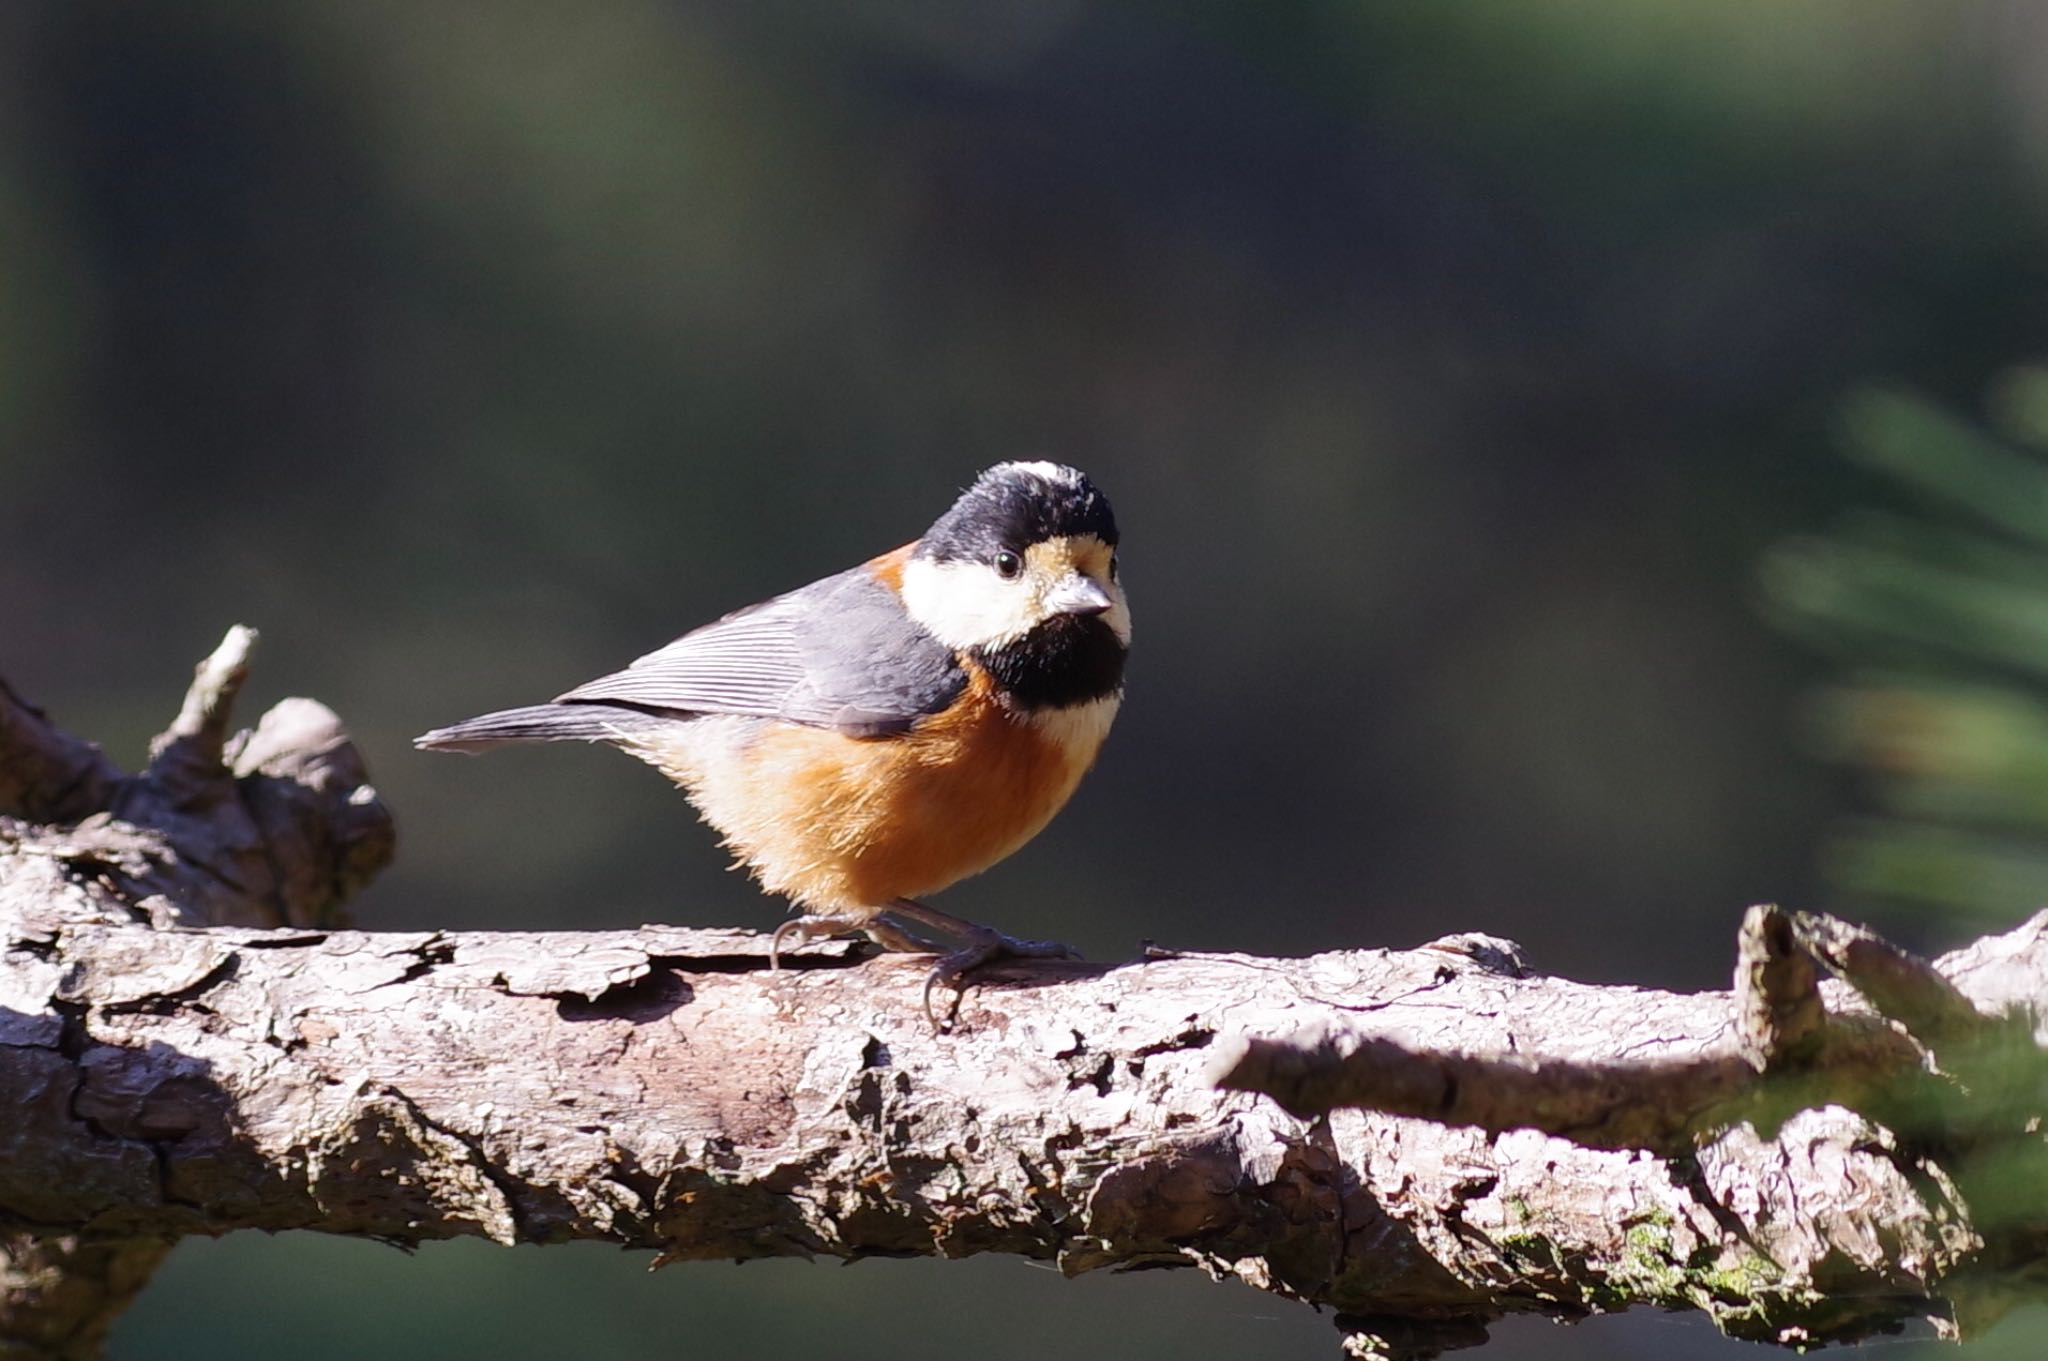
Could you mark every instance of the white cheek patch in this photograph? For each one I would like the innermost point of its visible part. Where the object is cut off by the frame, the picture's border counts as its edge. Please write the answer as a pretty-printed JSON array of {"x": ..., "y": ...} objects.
[{"x": 965, "y": 604}]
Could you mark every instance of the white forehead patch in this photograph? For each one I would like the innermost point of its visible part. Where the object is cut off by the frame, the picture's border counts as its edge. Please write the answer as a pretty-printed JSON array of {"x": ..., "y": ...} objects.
[{"x": 1050, "y": 472}]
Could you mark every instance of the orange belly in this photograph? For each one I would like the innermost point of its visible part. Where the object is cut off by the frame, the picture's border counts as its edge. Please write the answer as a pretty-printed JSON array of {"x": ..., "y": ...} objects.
[{"x": 839, "y": 823}]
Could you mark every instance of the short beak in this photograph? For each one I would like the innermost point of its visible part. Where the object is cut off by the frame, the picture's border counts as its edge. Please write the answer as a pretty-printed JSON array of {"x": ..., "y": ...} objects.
[{"x": 1078, "y": 595}]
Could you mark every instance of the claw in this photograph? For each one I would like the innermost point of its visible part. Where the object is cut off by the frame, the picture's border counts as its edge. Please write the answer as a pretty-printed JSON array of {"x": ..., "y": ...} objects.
[
  {"x": 813, "y": 924},
  {"x": 805, "y": 927},
  {"x": 775, "y": 944},
  {"x": 983, "y": 945}
]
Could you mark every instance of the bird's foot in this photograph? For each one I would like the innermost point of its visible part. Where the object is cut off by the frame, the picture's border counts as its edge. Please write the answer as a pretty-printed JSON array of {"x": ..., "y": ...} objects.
[
  {"x": 807, "y": 927},
  {"x": 982, "y": 945},
  {"x": 811, "y": 925}
]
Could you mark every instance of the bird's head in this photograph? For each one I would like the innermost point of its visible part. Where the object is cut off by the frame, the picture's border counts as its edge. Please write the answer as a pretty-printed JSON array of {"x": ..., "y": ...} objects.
[{"x": 1022, "y": 574}]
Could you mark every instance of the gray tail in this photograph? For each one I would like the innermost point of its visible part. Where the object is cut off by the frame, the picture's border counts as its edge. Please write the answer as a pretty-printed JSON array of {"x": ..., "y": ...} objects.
[{"x": 539, "y": 723}]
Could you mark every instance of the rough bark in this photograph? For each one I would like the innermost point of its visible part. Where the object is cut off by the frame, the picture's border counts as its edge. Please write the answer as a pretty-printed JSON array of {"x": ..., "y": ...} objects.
[
  {"x": 271, "y": 827},
  {"x": 1418, "y": 1140}
]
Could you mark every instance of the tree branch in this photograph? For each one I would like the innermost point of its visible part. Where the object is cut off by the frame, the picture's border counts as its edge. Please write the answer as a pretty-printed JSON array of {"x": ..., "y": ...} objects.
[
  {"x": 272, "y": 826},
  {"x": 1447, "y": 1139}
]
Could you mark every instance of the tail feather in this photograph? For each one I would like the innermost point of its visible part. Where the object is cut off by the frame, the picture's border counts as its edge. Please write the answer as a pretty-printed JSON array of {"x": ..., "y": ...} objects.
[{"x": 539, "y": 723}]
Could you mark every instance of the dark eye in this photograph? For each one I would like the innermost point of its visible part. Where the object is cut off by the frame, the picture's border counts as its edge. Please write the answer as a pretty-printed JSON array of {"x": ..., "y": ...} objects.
[
  {"x": 1112, "y": 567},
  {"x": 1007, "y": 564}
]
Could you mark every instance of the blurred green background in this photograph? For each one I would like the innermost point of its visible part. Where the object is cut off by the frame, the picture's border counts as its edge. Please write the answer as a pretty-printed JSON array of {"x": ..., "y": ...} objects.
[{"x": 1472, "y": 381}]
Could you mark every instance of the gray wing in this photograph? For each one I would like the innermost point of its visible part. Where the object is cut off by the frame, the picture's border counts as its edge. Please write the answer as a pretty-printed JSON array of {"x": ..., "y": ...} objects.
[{"x": 839, "y": 653}]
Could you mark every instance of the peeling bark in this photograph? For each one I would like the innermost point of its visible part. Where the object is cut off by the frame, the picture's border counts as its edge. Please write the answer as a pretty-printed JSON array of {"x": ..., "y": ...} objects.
[{"x": 1424, "y": 1140}]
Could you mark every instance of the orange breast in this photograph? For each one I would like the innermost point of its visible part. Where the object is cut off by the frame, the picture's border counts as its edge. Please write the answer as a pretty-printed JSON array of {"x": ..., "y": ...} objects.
[{"x": 836, "y": 822}]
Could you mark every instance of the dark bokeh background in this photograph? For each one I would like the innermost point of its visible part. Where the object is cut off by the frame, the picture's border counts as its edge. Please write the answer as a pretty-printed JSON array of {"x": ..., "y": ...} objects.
[{"x": 1452, "y": 369}]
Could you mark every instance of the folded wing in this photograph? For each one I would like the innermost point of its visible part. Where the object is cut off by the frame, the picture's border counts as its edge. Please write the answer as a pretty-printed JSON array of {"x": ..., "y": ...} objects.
[{"x": 840, "y": 653}]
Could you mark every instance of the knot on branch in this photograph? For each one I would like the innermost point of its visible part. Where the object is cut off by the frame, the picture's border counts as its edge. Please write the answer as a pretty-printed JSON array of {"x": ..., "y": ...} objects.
[
  {"x": 273, "y": 826},
  {"x": 1951, "y": 1094}
]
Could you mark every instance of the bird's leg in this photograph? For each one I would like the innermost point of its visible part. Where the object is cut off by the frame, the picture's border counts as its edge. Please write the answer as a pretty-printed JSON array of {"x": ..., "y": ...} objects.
[
  {"x": 814, "y": 924},
  {"x": 978, "y": 946}
]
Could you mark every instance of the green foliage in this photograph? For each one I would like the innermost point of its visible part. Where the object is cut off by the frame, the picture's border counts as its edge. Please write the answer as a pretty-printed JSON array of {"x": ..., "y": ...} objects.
[{"x": 1938, "y": 620}]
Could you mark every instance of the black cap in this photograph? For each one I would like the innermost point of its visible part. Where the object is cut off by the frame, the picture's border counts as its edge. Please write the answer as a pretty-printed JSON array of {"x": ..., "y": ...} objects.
[{"x": 1016, "y": 505}]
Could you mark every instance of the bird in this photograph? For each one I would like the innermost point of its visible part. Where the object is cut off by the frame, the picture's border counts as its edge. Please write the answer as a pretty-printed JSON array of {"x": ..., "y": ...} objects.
[{"x": 881, "y": 734}]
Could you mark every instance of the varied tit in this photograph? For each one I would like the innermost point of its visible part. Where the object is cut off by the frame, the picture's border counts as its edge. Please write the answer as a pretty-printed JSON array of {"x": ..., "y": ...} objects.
[{"x": 888, "y": 731}]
